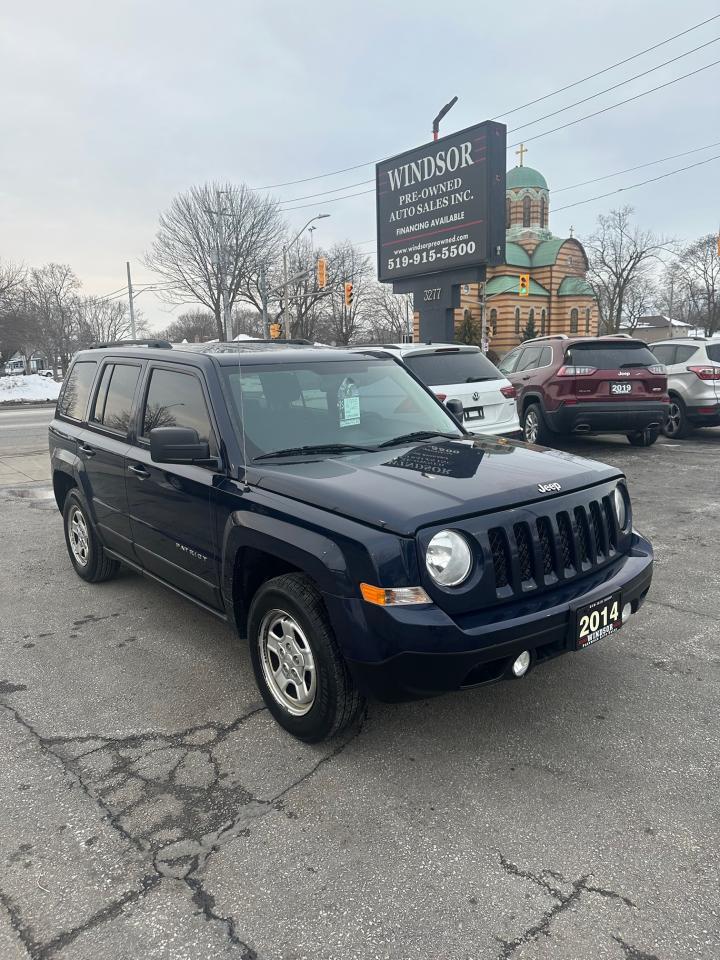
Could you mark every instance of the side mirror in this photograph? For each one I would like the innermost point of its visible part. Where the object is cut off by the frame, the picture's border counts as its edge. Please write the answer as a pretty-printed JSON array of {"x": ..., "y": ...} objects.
[
  {"x": 177, "y": 445},
  {"x": 456, "y": 409}
]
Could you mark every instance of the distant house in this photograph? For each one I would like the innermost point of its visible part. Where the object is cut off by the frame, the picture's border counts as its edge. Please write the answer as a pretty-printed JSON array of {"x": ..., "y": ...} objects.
[
  {"x": 658, "y": 327},
  {"x": 16, "y": 363}
]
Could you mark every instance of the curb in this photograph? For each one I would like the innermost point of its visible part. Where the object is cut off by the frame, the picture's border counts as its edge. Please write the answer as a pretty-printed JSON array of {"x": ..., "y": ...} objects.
[{"x": 27, "y": 403}]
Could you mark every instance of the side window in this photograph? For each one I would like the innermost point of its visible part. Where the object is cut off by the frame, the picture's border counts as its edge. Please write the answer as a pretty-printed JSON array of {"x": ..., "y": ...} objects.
[
  {"x": 113, "y": 400},
  {"x": 530, "y": 358},
  {"x": 509, "y": 361},
  {"x": 75, "y": 394},
  {"x": 683, "y": 353},
  {"x": 665, "y": 353},
  {"x": 176, "y": 399},
  {"x": 545, "y": 356}
]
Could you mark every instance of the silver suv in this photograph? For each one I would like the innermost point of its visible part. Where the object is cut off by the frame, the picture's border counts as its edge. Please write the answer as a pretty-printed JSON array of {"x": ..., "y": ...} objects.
[{"x": 693, "y": 371}]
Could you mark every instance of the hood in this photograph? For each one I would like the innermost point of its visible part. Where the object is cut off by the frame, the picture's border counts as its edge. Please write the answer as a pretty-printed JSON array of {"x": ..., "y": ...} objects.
[{"x": 410, "y": 486}]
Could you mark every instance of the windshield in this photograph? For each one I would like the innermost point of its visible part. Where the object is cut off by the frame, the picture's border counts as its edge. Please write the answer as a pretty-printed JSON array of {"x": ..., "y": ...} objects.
[
  {"x": 462, "y": 366},
  {"x": 610, "y": 356},
  {"x": 362, "y": 403}
]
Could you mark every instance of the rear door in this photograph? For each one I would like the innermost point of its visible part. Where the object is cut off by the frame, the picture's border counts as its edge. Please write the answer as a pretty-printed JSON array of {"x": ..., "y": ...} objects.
[
  {"x": 103, "y": 446},
  {"x": 465, "y": 374},
  {"x": 171, "y": 506},
  {"x": 617, "y": 371}
]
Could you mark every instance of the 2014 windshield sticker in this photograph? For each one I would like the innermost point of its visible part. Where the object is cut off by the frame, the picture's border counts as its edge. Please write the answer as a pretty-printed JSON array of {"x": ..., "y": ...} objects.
[{"x": 348, "y": 404}]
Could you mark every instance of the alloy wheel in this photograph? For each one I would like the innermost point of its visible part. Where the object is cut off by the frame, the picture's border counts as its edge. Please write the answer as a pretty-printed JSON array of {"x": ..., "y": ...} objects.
[
  {"x": 79, "y": 536},
  {"x": 287, "y": 662},
  {"x": 531, "y": 426},
  {"x": 673, "y": 424}
]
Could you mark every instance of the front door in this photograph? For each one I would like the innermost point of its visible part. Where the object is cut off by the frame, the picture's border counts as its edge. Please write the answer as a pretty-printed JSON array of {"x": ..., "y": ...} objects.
[
  {"x": 172, "y": 506},
  {"x": 103, "y": 446}
]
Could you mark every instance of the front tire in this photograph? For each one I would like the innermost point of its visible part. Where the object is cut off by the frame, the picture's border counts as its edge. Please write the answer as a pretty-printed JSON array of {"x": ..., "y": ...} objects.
[
  {"x": 676, "y": 427},
  {"x": 84, "y": 549},
  {"x": 298, "y": 666},
  {"x": 533, "y": 426},
  {"x": 644, "y": 438}
]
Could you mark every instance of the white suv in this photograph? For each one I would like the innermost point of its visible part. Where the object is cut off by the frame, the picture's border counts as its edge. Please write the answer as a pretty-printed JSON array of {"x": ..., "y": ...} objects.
[
  {"x": 693, "y": 372},
  {"x": 461, "y": 372}
]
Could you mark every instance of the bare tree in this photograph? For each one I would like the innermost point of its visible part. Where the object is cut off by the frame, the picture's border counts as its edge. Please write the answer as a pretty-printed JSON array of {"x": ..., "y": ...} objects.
[
  {"x": 105, "y": 321},
  {"x": 212, "y": 235},
  {"x": 52, "y": 292},
  {"x": 346, "y": 263},
  {"x": 621, "y": 255},
  {"x": 699, "y": 267},
  {"x": 12, "y": 277},
  {"x": 20, "y": 331},
  {"x": 388, "y": 316},
  {"x": 641, "y": 298},
  {"x": 195, "y": 326}
]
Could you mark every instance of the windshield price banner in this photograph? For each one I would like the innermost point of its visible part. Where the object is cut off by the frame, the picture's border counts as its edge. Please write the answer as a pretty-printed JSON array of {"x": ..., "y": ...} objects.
[{"x": 442, "y": 205}]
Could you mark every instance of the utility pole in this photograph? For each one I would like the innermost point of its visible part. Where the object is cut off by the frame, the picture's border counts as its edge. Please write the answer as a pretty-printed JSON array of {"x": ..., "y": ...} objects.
[
  {"x": 264, "y": 301},
  {"x": 131, "y": 301}
]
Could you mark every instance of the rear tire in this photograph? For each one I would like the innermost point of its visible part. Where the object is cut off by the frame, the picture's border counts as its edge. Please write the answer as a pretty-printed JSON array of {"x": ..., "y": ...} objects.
[
  {"x": 298, "y": 666},
  {"x": 84, "y": 549},
  {"x": 644, "y": 438},
  {"x": 534, "y": 427},
  {"x": 676, "y": 427}
]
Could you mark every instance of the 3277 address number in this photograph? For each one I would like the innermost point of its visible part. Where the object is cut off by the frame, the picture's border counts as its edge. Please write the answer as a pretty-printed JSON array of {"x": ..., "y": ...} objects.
[{"x": 430, "y": 256}]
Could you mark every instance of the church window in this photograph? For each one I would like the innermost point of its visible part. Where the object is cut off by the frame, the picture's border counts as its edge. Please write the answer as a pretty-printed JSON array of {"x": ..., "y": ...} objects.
[
  {"x": 507, "y": 213},
  {"x": 526, "y": 211},
  {"x": 543, "y": 213},
  {"x": 543, "y": 318},
  {"x": 587, "y": 320},
  {"x": 517, "y": 320},
  {"x": 531, "y": 317},
  {"x": 493, "y": 321},
  {"x": 574, "y": 317}
]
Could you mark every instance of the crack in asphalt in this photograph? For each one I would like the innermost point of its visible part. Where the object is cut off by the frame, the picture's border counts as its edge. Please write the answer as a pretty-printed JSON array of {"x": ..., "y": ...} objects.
[
  {"x": 632, "y": 953},
  {"x": 135, "y": 762},
  {"x": 564, "y": 902}
]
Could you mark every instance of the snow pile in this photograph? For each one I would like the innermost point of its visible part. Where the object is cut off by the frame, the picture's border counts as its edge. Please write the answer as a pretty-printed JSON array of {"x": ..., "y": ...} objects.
[{"x": 32, "y": 387}]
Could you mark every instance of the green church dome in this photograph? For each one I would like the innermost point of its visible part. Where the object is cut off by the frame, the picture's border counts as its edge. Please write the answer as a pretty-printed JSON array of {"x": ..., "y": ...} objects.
[{"x": 525, "y": 177}]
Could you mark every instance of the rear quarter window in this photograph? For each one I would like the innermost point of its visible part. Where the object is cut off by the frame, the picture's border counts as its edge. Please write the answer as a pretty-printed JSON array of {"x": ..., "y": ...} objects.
[
  {"x": 74, "y": 397},
  {"x": 713, "y": 352}
]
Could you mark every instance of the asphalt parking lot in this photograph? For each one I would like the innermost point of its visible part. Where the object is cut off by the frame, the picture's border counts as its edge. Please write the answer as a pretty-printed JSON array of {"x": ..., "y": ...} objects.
[{"x": 151, "y": 808}]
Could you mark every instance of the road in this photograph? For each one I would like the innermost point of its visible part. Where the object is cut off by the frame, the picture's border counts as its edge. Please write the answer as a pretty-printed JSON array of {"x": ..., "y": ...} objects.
[
  {"x": 23, "y": 429},
  {"x": 152, "y": 809}
]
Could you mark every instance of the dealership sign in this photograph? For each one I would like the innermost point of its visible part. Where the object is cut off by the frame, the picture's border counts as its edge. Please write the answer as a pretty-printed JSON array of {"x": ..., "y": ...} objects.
[{"x": 442, "y": 206}]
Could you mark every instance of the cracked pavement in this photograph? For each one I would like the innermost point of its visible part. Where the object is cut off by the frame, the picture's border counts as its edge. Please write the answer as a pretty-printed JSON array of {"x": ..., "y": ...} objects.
[{"x": 151, "y": 808}]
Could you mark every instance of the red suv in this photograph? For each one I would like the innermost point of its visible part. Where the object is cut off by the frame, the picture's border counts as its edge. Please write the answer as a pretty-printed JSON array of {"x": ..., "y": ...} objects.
[{"x": 588, "y": 385}]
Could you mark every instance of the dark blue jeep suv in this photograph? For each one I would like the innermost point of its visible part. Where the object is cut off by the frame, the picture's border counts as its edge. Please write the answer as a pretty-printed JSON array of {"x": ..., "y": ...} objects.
[{"x": 328, "y": 504}]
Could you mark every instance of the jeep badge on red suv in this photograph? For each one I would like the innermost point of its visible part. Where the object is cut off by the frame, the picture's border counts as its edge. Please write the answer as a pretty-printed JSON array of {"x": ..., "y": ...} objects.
[{"x": 577, "y": 385}]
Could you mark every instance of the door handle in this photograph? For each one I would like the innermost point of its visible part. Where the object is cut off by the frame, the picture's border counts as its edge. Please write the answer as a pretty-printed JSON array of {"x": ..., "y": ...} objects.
[
  {"x": 139, "y": 471},
  {"x": 525, "y": 378},
  {"x": 86, "y": 449}
]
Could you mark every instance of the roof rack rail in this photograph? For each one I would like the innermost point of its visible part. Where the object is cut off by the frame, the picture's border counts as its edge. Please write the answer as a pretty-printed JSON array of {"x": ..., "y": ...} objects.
[
  {"x": 152, "y": 342},
  {"x": 549, "y": 336},
  {"x": 296, "y": 341}
]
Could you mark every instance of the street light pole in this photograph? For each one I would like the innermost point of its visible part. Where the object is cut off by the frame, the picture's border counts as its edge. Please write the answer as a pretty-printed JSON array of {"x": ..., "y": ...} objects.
[
  {"x": 438, "y": 118},
  {"x": 286, "y": 247}
]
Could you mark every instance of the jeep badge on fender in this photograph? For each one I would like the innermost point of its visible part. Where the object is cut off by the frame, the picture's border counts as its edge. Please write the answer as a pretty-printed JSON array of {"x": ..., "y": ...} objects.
[{"x": 327, "y": 503}]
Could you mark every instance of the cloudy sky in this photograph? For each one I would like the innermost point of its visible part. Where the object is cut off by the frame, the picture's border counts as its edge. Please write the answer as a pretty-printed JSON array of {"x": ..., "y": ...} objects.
[{"x": 108, "y": 110}]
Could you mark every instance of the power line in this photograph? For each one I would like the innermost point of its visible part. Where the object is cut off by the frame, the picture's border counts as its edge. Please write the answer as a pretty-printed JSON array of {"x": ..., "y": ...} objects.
[
  {"x": 612, "y": 106},
  {"x": 599, "y": 73},
  {"x": 368, "y": 163},
  {"x": 361, "y": 193},
  {"x": 642, "y": 183},
  {"x": 348, "y": 186},
  {"x": 615, "y": 86},
  {"x": 640, "y": 166}
]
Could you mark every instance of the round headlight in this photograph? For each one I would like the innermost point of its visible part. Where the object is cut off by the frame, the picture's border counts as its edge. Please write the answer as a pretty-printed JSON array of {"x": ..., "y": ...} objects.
[
  {"x": 620, "y": 508},
  {"x": 448, "y": 558}
]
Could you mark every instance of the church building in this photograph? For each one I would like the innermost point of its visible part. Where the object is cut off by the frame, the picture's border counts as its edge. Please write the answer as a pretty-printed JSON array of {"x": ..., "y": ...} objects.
[{"x": 560, "y": 298}]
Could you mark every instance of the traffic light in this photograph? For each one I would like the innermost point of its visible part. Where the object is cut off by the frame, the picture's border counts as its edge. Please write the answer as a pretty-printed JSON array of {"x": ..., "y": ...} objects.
[
  {"x": 348, "y": 293},
  {"x": 321, "y": 272},
  {"x": 524, "y": 284},
  {"x": 275, "y": 330}
]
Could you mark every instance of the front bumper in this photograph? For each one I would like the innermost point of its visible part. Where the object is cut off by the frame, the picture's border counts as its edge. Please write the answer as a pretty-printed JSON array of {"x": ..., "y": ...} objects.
[
  {"x": 424, "y": 652},
  {"x": 607, "y": 417}
]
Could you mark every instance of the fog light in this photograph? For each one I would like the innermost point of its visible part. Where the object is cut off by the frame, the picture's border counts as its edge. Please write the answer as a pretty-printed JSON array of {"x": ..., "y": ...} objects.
[
  {"x": 519, "y": 668},
  {"x": 626, "y": 612}
]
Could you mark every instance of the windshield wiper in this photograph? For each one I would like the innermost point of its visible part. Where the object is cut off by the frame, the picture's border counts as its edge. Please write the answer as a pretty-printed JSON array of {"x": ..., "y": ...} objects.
[
  {"x": 633, "y": 364},
  {"x": 419, "y": 435},
  {"x": 311, "y": 449},
  {"x": 478, "y": 379}
]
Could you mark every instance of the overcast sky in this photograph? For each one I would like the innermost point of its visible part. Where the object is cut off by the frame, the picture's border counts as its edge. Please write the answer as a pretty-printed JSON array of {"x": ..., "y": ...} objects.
[{"x": 108, "y": 110}]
